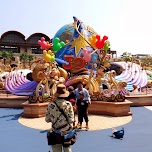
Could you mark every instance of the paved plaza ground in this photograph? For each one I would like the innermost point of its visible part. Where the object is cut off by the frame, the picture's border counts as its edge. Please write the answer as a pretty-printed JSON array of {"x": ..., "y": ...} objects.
[{"x": 16, "y": 137}]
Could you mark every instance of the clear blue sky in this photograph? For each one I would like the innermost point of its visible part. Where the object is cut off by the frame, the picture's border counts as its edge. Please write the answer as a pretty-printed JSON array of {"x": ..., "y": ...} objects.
[{"x": 128, "y": 23}]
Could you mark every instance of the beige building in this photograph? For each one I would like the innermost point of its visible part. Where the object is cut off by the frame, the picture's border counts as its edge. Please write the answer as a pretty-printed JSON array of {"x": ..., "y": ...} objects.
[{"x": 17, "y": 43}]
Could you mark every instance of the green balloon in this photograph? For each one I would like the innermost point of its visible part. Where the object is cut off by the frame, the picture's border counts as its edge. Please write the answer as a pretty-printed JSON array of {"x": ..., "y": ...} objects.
[
  {"x": 52, "y": 58},
  {"x": 106, "y": 46},
  {"x": 56, "y": 40},
  {"x": 62, "y": 44},
  {"x": 56, "y": 47}
]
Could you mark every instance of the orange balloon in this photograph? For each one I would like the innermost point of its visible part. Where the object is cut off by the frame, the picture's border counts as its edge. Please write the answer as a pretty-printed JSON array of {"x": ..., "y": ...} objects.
[
  {"x": 48, "y": 45},
  {"x": 92, "y": 41}
]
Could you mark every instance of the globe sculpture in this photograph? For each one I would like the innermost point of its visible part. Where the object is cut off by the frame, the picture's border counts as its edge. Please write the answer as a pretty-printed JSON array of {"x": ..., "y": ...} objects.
[
  {"x": 76, "y": 41},
  {"x": 65, "y": 33}
]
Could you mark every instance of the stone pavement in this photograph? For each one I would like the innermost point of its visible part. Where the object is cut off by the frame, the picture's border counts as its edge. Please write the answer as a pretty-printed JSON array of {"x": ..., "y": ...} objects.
[
  {"x": 95, "y": 122},
  {"x": 16, "y": 137}
]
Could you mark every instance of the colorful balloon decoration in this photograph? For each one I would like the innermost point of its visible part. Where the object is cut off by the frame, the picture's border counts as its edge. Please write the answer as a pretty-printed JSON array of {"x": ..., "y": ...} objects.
[
  {"x": 92, "y": 41},
  {"x": 106, "y": 45},
  {"x": 57, "y": 45},
  {"x": 45, "y": 45},
  {"x": 100, "y": 42},
  {"x": 48, "y": 45},
  {"x": 48, "y": 56}
]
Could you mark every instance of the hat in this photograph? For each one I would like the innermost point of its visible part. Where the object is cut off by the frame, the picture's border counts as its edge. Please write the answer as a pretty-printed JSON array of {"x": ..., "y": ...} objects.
[
  {"x": 81, "y": 92},
  {"x": 61, "y": 91}
]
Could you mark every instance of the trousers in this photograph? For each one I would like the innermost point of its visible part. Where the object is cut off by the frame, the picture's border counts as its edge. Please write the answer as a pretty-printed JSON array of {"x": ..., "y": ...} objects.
[
  {"x": 59, "y": 147},
  {"x": 81, "y": 116}
]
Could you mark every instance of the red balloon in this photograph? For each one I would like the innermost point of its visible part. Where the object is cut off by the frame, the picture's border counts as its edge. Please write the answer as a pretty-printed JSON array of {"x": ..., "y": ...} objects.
[
  {"x": 100, "y": 42},
  {"x": 105, "y": 38},
  {"x": 98, "y": 37}
]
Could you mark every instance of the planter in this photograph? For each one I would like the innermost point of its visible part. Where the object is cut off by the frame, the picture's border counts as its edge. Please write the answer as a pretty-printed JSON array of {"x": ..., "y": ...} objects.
[
  {"x": 12, "y": 101},
  {"x": 35, "y": 110},
  {"x": 110, "y": 108},
  {"x": 140, "y": 100}
]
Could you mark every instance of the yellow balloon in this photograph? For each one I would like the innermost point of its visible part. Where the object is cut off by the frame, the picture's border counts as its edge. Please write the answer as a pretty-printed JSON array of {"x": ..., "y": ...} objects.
[
  {"x": 47, "y": 57},
  {"x": 49, "y": 52},
  {"x": 44, "y": 52}
]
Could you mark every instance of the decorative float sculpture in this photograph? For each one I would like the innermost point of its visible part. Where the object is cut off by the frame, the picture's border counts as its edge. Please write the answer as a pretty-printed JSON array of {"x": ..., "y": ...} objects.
[{"x": 82, "y": 58}]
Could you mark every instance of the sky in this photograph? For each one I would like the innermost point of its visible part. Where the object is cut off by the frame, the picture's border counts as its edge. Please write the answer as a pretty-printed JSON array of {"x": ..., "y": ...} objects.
[{"x": 127, "y": 23}]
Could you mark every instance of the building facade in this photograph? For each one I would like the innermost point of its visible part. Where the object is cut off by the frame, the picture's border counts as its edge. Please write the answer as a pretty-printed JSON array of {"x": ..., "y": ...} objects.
[{"x": 17, "y": 43}]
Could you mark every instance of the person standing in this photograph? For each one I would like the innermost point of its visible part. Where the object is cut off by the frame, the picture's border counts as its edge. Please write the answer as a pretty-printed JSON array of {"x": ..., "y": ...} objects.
[
  {"x": 82, "y": 108},
  {"x": 85, "y": 91},
  {"x": 86, "y": 97},
  {"x": 58, "y": 120}
]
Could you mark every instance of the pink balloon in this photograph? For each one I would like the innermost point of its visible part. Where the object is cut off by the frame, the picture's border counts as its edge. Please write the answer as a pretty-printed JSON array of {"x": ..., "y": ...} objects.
[
  {"x": 42, "y": 39},
  {"x": 39, "y": 42},
  {"x": 87, "y": 55},
  {"x": 43, "y": 43}
]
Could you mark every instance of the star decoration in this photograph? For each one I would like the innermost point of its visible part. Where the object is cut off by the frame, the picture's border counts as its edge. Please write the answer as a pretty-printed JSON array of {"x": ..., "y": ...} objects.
[{"x": 78, "y": 43}]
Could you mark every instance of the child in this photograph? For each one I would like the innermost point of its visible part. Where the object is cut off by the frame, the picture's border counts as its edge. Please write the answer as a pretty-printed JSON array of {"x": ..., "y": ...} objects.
[{"x": 82, "y": 108}]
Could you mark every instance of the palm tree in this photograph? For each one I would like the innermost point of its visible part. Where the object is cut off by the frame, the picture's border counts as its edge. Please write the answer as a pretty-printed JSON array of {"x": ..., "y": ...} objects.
[
  {"x": 126, "y": 56},
  {"x": 10, "y": 56},
  {"x": 30, "y": 58},
  {"x": 24, "y": 58},
  {"x": 6, "y": 55}
]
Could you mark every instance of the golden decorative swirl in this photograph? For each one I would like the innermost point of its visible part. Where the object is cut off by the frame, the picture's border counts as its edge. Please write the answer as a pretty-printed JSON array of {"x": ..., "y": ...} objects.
[{"x": 91, "y": 30}]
